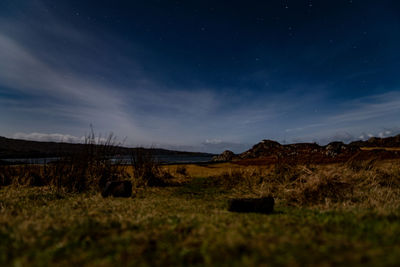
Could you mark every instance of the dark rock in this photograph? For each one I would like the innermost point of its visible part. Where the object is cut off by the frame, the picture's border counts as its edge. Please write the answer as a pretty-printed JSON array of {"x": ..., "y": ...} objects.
[
  {"x": 257, "y": 205},
  {"x": 227, "y": 155},
  {"x": 393, "y": 141},
  {"x": 117, "y": 189}
]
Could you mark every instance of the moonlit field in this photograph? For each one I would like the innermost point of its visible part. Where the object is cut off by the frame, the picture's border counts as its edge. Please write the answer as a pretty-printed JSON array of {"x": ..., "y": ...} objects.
[{"x": 199, "y": 133}]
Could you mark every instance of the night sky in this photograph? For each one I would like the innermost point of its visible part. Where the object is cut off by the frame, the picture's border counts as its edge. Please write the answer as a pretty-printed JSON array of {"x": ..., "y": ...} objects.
[{"x": 200, "y": 75}]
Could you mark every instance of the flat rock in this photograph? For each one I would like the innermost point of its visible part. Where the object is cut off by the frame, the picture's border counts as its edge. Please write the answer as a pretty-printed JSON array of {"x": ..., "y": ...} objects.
[{"x": 258, "y": 205}]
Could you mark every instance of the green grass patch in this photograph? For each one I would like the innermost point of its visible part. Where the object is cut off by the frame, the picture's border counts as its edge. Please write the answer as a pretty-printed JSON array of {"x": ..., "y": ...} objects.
[{"x": 186, "y": 225}]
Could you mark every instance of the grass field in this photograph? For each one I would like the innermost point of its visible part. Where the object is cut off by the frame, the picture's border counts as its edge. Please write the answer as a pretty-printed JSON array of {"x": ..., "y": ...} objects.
[{"x": 316, "y": 222}]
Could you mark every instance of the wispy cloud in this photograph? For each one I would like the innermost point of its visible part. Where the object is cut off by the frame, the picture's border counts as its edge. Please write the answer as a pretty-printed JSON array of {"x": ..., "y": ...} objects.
[
  {"x": 361, "y": 118},
  {"x": 370, "y": 107},
  {"x": 56, "y": 137}
]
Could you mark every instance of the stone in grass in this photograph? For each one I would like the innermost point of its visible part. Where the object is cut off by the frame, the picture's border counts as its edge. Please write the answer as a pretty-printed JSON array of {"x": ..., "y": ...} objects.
[
  {"x": 258, "y": 205},
  {"x": 117, "y": 189}
]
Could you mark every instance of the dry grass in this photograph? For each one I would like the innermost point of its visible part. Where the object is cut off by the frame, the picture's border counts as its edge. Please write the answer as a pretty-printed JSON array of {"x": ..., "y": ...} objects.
[
  {"x": 209, "y": 170},
  {"x": 365, "y": 184},
  {"x": 381, "y": 148}
]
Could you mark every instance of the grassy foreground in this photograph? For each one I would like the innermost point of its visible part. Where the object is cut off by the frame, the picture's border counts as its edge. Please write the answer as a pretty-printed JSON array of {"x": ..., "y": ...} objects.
[{"x": 189, "y": 225}]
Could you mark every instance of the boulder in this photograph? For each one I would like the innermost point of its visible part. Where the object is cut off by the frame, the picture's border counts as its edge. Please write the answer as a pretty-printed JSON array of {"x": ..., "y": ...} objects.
[
  {"x": 117, "y": 189},
  {"x": 335, "y": 148},
  {"x": 257, "y": 205}
]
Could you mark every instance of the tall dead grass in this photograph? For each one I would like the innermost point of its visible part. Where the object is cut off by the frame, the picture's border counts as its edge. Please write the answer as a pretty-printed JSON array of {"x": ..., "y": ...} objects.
[
  {"x": 147, "y": 170},
  {"x": 89, "y": 168}
]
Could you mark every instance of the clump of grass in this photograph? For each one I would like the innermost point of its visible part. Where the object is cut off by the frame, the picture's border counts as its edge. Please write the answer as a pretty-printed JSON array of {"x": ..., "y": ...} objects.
[
  {"x": 182, "y": 170},
  {"x": 147, "y": 170},
  {"x": 318, "y": 188},
  {"x": 375, "y": 187}
]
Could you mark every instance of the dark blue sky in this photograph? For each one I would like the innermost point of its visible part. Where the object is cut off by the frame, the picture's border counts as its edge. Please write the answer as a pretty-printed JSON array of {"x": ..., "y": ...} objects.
[{"x": 200, "y": 75}]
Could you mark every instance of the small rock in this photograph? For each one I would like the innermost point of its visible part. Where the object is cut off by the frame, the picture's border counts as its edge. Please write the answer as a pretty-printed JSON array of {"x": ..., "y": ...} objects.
[{"x": 258, "y": 205}]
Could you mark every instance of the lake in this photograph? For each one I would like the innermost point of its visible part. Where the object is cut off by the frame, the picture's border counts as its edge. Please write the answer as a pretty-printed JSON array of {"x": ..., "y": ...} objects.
[{"x": 163, "y": 159}]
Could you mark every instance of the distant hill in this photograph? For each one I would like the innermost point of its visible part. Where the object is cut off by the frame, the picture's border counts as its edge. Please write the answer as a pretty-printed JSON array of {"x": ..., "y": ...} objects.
[{"x": 16, "y": 148}]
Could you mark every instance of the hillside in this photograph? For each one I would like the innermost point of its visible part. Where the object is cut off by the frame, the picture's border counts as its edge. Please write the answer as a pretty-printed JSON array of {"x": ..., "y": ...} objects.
[{"x": 16, "y": 148}]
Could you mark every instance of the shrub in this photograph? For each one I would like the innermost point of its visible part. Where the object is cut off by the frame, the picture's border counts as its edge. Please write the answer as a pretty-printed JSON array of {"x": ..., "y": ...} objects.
[{"x": 181, "y": 170}]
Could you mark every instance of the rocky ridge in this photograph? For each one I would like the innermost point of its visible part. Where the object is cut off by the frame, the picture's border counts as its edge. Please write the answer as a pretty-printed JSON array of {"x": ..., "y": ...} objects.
[{"x": 273, "y": 151}]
